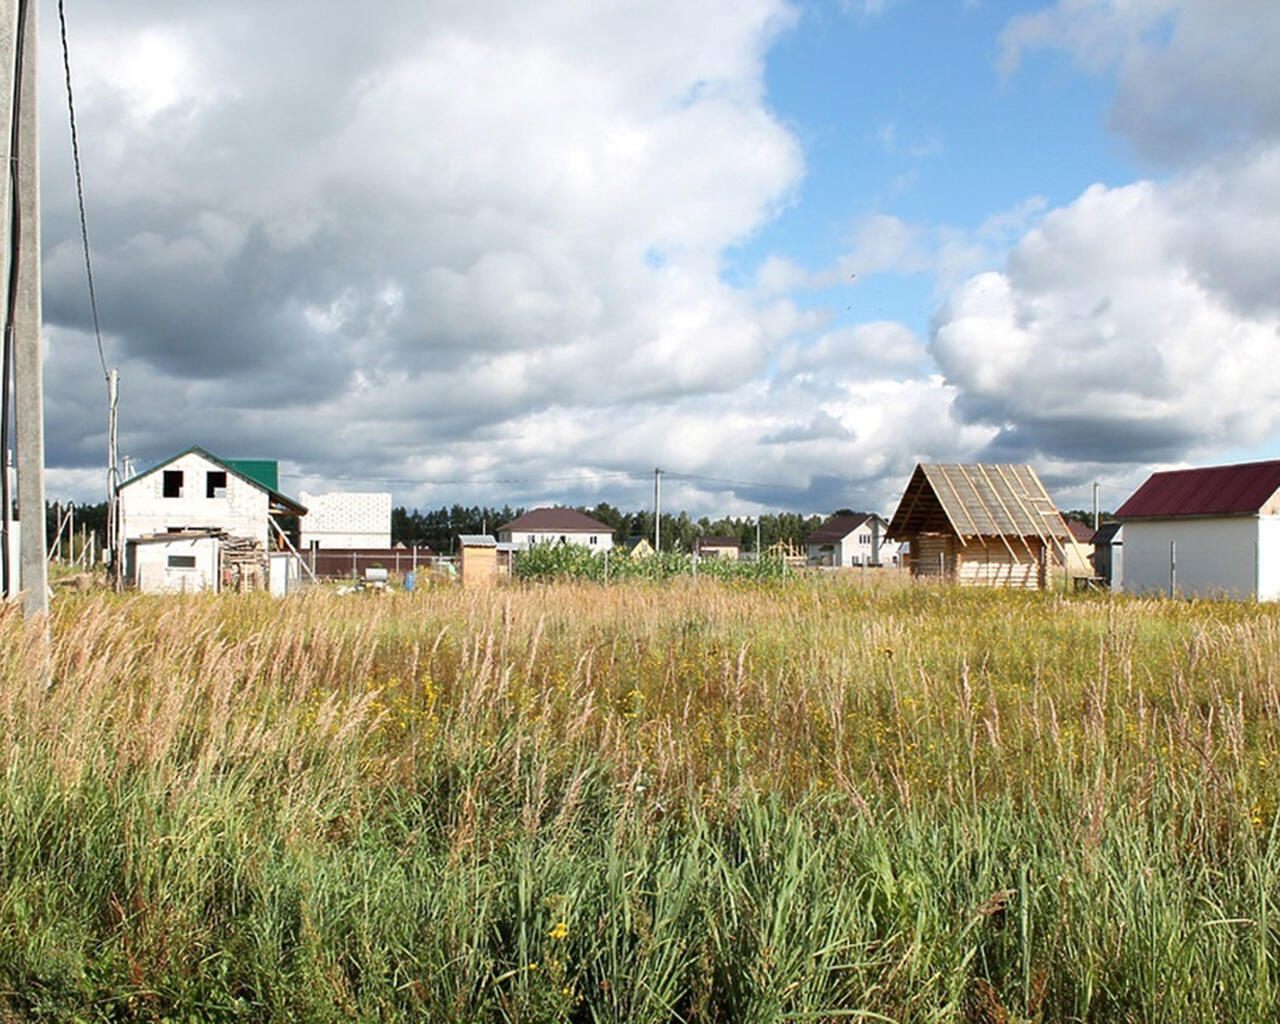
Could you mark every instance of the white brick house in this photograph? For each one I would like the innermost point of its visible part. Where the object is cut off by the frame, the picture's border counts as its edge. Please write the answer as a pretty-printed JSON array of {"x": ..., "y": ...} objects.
[
  {"x": 347, "y": 519},
  {"x": 198, "y": 491}
]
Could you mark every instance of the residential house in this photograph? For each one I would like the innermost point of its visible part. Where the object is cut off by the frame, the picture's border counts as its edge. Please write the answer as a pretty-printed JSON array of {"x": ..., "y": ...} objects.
[
  {"x": 717, "y": 547},
  {"x": 198, "y": 494},
  {"x": 1213, "y": 531},
  {"x": 637, "y": 547},
  {"x": 557, "y": 526},
  {"x": 849, "y": 540},
  {"x": 980, "y": 525}
]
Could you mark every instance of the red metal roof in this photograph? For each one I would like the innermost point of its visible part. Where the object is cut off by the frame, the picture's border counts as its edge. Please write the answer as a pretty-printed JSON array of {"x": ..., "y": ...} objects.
[{"x": 1211, "y": 491}]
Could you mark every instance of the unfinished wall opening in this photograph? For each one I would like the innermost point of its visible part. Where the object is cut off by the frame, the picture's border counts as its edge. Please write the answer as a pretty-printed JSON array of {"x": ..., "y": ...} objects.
[
  {"x": 173, "y": 483},
  {"x": 216, "y": 484}
]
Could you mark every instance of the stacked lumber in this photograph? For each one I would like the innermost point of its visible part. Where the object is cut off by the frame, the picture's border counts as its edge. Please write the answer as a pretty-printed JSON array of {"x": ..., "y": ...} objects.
[{"x": 244, "y": 564}]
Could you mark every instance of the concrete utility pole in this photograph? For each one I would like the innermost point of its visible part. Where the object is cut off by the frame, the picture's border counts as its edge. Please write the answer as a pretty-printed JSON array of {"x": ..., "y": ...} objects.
[
  {"x": 21, "y": 205},
  {"x": 113, "y": 478},
  {"x": 657, "y": 509}
]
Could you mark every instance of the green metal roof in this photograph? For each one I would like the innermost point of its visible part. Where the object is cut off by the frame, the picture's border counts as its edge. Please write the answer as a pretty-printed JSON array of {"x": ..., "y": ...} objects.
[{"x": 263, "y": 471}]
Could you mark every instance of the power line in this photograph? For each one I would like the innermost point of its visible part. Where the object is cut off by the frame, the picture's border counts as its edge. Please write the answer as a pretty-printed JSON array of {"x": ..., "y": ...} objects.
[
  {"x": 75, "y": 155},
  {"x": 735, "y": 483}
]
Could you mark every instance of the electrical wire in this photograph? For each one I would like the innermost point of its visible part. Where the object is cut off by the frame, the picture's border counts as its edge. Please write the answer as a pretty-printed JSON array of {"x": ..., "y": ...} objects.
[
  {"x": 75, "y": 155},
  {"x": 733, "y": 483}
]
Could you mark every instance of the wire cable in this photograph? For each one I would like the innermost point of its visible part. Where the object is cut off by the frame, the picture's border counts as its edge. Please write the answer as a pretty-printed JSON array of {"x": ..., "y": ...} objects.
[{"x": 75, "y": 155}]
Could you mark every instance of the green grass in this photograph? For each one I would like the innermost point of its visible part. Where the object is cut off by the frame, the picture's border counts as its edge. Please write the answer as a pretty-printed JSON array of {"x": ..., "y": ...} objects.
[{"x": 711, "y": 801}]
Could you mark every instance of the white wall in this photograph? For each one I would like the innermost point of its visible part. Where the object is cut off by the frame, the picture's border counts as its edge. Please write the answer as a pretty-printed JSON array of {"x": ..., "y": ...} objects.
[
  {"x": 1215, "y": 557},
  {"x": 242, "y": 512},
  {"x": 524, "y": 539},
  {"x": 347, "y": 519},
  {"x": 154, "y": 574},
  {"x": 1269, "y": 558}
]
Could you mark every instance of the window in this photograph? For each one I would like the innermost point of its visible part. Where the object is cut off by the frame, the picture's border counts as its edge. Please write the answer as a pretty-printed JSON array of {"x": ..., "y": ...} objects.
[
  {"x": 173, "y": 483},
  {"x": 182, "y": 561},
  {"x": 594, "y": 538},
  {"x": 216, "y": 483}
]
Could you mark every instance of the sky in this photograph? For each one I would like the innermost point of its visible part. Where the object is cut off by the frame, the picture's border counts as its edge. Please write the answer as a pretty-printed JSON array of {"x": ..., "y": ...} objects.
[{"x": 483, "y": 252}]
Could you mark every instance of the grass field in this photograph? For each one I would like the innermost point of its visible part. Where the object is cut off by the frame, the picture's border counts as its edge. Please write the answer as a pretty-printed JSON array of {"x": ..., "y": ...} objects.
[{"x": 693, "y": 802}]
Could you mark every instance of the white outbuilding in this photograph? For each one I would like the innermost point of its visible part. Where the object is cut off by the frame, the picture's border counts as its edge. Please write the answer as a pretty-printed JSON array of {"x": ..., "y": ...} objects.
[{"x": 1208, "y": 532}]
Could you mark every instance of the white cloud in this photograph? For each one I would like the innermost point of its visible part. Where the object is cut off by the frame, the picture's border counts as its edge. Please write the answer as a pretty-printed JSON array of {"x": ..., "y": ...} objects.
[
  {"x": 1192, "y": 75},
  {"x": 1134, "y": 324}
]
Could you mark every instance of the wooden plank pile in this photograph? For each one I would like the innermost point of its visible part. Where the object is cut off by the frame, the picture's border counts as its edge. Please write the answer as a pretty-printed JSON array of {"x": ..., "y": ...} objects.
[{"x": 244, "y": 564}]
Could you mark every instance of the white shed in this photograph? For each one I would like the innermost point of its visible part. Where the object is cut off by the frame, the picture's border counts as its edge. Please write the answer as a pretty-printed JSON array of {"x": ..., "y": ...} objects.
[
  {"x": 176, "y": 563},
  {"x": 1209, "y": 532}
]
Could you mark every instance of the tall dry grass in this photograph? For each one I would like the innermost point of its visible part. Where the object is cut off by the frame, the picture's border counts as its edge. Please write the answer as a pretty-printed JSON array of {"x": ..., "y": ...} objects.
[{"x": 691, "y": 802}]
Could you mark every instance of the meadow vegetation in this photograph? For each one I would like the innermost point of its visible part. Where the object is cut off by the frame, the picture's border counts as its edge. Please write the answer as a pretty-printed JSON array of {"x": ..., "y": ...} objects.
[{"x": 697, "y": 801}]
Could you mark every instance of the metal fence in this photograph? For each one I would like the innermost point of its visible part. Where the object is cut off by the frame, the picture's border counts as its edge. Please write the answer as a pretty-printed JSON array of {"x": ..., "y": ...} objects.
[{"x": 351, "y": 563}]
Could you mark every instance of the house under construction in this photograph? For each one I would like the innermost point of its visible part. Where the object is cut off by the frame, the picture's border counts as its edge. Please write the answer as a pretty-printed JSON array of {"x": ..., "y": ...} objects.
[{"x": 981, "y": 525}]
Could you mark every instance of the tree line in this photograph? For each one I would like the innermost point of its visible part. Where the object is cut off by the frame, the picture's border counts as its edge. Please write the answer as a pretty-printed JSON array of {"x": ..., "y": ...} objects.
[{"x": 439, "y": 528}]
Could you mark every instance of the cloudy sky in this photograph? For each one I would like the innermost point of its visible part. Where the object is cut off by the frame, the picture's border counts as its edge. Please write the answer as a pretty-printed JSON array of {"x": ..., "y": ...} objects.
[{"x": 479, "y": 251}]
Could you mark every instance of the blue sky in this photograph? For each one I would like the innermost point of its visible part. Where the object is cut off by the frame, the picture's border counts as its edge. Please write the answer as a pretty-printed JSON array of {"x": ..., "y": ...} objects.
[
  {"x": 904, "y": 112},
  {"x": 497, "y": 253}
]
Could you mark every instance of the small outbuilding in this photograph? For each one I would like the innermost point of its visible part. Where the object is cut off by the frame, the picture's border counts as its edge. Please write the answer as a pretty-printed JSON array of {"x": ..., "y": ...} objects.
[
  {"x": 183, "y": 562},
  {"x": 479, "y": 559},
  {"x": 980, "y": 525},
  {"x": 1108, "y": 554},
  {"x": 1208, "y": 532}
]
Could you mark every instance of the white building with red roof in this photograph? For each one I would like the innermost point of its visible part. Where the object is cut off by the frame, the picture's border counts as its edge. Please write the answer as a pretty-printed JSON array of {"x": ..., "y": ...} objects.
[
  {"x": 557, "y": 526},
  {"x": 1209, "y": 532}
]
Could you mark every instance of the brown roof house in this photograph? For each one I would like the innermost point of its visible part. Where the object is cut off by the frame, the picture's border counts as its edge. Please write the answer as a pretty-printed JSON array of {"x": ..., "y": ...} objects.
[
  {"x": 717, "y": 547},
  {"x": 1206, "y": 532},
  {"x": 849, "y": 540},
  {"x": 980, "y": 525},
  {"x": 557, "y": 526}
]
